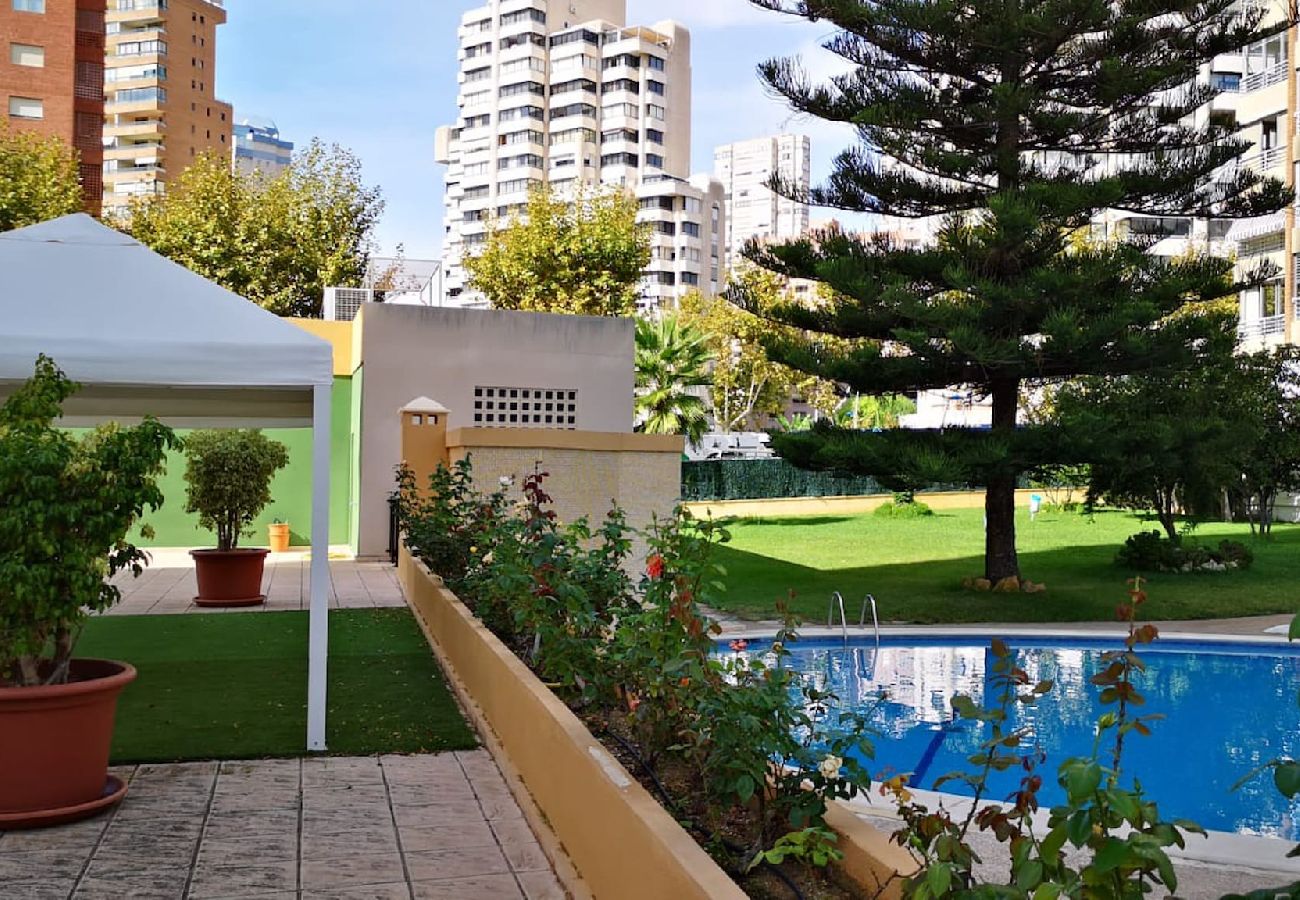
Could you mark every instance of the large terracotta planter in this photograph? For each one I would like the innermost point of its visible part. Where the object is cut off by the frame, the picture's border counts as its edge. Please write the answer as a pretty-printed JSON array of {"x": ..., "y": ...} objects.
[
  {"x": 279, "y": 534},
  {"x": 229, "y": 577},
  {"x": 54, "y": 744}
]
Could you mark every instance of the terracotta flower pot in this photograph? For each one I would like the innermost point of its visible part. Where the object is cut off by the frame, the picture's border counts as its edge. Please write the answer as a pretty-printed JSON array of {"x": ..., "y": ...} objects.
[
  {"x": 54, "y": 744},
  {"x": 279, "y": 532},
  {"x": 229, "y": 577}
]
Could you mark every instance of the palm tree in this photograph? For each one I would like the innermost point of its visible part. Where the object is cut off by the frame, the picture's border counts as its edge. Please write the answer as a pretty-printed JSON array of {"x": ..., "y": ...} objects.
[
  {"x": 869, "y": 412},
  {"x": 671, "y": 358}
]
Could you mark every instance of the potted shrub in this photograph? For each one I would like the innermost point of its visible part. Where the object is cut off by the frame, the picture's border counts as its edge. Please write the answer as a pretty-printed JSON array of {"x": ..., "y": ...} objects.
[
  {"x": 66, "y": 506},
  {"x": 228, "y": 477},
  {"x": 278, "y": 531}
]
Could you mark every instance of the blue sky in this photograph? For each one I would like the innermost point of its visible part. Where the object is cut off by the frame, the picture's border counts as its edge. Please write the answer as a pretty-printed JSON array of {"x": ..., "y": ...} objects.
[{"x": 380, "y": 77}]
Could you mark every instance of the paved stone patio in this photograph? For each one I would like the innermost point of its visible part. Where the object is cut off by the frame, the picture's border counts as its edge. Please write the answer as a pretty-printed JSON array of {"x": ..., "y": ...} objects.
[
  {"x": 433, "y": 827},
  {"x": 168, "y": 585}
]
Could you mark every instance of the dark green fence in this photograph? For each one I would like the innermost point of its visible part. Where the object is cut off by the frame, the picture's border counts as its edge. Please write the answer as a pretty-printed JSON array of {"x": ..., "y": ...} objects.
[{"x": 762, "y": 479}]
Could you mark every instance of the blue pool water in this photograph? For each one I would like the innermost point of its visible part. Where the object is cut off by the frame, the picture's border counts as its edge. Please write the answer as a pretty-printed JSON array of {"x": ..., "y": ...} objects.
[{"x": 1228, "y": 708}]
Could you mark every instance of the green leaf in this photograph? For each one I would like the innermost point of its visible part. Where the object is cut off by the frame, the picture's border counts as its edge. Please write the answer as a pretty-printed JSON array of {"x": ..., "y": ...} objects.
[
  {"x": 1111, "y": 856},
  {"x": 938, "y": 878},
  {"x": 1286, "y": 776}
]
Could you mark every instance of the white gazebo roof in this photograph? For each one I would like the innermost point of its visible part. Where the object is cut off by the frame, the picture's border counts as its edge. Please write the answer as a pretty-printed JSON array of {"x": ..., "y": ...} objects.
[{"x": 145, "y": 335}]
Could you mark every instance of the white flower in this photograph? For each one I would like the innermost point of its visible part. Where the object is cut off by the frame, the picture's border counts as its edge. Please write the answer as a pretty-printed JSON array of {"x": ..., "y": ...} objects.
[
  {"x": 611, "y": 630},
  {"x": 505, "y": 481},
  {"x": 806, "y": 785},
  {"x": 830, "y": 767}
]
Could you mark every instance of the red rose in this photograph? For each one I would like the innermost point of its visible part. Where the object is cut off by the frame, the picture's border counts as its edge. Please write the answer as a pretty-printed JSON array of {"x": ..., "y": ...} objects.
[{"x": 654, "y": 566}]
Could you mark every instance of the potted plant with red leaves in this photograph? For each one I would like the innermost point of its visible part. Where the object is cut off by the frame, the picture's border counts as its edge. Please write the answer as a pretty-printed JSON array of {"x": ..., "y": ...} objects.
[
  {"x": 66, "y": 507},
  {"x": 228, "y": 476}
]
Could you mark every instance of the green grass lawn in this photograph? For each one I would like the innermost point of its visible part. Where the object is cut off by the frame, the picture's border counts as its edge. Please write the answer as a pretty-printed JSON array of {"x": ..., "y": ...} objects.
[
  {"x": 915, "y": 568},
  {"x": 234, "y": 686}
]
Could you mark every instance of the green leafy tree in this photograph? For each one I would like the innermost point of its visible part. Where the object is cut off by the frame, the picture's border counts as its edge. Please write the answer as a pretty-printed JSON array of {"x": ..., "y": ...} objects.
[
  {"x": 1268, "y": 402},
  {"x": 583, "y": 256},
  {"x": 1016, "y": 122},
  {"x": 38, "y": 179},
  {"x": 66, "y": 507},
  {"x": 1168, "y": 442},
  {"x": 748, "y": 386},
  {"x": 228, "y": 479},
  {"x": 671, "y": 359},
  {"x": 874, "y": 412},
  {"x": 279, "y": 241}
]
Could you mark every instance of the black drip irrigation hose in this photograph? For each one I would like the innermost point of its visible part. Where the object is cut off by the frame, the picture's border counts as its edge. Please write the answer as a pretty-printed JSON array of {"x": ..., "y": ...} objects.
[{"x": 677, "y": 811}]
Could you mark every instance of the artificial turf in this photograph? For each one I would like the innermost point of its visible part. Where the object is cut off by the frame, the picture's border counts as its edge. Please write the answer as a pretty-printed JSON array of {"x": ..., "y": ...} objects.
[
  {"x": 234, "y": 686},
  {"x": 915, "y": 567}
]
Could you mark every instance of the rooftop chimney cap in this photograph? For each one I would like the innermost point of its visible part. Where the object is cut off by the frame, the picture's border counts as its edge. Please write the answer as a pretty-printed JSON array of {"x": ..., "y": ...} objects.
[{"x": 425, "y": 406}]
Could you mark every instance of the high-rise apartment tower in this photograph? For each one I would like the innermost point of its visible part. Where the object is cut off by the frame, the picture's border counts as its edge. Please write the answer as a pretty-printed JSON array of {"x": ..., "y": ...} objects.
[
  {"x": 160, "y": 77},
  {"x": 753, "y": 210},
  {"x": 563, "y": 92},
  {"x": 52, "y": 77}
]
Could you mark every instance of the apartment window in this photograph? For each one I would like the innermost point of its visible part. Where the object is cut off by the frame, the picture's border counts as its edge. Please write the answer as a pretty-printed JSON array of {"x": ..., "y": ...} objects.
[
  {"x": 481, "y": 121},
  {"x": 654, "y": 159},
  {"x": 667, "y": 228},
  {"x": 621, "y": 109},
  {"x": 522, "y": 112},
  {"x": 524, "y": 15},
  {"x": 623, "y": 59},
  {"x": 619, "y": 134},
  {"x": 577, "y": 84},
  {"x": 587, "y": 37},
  {"x": 519, "y": 40},
  {"x": 141, "y": 95},
  {"x": 522, "y": 137},
  {"x": 475, "y": 215},
  {"x": 527, "y": 64},
  {"x": 566, "y": 63},
  {"x": 654, "y": 136},
  {"x": 573, "y": 109},
  {"x": 573, "y": 135},
  {"x": 135, "y": 73},
  {"x": 473, "y": 98},
  {"x": 478, "y": 50},
  {"x": 620, "y": 159},
  {"x": 668, "y": 279},
  {"x": 139, "y": 48},
  {"x": 691, "y": 229},
  {"x": 563, "y": 160},
  {"x": 523, "y": 160},
  {"x": 655, "y": 112},
  {"x": 661, "y": 203},
  {"x": 27, "y": 55},
  {"x": 655, "y": 87},
  {"x": 476, "y": 169},
  {"x": 623, "y": 84},
  {"x": 690, "y": 278},
  {"x": 482, "y": 74},
  {"x": 692, "y": 204},
  {"x": 26, "y": 108},
  {"x": 476, "y": 193},
  {"x": 523, "y": 87},
  {"x": 31, "y": 6},
  {"x": 518, "y": 185},
  {"x": 481, "y": 25},
  {"x": 655, "y": 62}
]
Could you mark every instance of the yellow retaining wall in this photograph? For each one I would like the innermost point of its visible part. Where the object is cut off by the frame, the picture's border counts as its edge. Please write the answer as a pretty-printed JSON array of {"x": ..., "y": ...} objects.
[
  {"x": 340, "y": 336},
  {"x": 782, "y": 507},
  {"x": 623, "y": 844}
]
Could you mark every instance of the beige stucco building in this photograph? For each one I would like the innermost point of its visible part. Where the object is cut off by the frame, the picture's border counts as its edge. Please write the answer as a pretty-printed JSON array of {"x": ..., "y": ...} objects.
[{"x": 162, "y": 111}]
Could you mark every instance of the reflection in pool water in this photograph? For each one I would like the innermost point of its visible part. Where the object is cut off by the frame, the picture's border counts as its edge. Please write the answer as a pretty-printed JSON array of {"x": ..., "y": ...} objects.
[{"x": 1228, "y": 708}]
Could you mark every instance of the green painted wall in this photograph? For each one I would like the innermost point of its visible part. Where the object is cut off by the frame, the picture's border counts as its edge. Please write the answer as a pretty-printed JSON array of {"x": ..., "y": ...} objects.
[
  {"x": 354, "y": 448},
  {"x": 290, "y": 490}
]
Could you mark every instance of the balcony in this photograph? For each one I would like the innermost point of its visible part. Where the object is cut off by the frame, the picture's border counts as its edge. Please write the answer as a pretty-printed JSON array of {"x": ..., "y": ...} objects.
[
  {"x": 146, "y": 129},
  {"x": 1263, "y": 327},
  {"x": 1274, "y": 74},
  {"x": 137, "y": 11}
]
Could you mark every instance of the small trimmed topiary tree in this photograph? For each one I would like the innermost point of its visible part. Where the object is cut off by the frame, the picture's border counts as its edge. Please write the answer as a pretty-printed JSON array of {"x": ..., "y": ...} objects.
[{"x": 228, "y": 477}]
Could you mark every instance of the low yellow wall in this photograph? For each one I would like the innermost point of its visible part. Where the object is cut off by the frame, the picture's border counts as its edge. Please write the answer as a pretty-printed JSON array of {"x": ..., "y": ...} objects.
[
  {"x": 622, "y": 843},
  {"x": 782, "y": 507},
  {"x": 339, "y": 334}
]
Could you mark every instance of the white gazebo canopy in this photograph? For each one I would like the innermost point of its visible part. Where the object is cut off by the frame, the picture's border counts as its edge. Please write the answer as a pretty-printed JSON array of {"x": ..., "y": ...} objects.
[{"x": 145, "y": 336}]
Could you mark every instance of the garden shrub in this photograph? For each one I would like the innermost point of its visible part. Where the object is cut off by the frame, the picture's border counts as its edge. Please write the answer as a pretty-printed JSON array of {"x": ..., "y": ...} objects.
[
  {"x": 903, "y": 506},
  {"x": 1151, "y": 551},
  {"x": 754, "y": 754}
]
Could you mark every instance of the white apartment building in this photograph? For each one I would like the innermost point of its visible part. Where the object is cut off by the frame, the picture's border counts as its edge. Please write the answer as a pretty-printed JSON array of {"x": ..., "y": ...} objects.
[
  {"x": 563, "y": 92},
  {"x": 753, "y": 210}
]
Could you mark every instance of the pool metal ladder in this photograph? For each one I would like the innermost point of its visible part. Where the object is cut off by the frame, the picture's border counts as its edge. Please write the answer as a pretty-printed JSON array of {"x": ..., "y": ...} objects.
[{"x": 837, "y": 601}]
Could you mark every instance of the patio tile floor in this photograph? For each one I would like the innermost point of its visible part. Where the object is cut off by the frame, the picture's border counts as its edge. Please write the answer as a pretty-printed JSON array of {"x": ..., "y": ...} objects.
[
  {"x": 407, "y": 827},
  {"x": 168, "y": 585}
]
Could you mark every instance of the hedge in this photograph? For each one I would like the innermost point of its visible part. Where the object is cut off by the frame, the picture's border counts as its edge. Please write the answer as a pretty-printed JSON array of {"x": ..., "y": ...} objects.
[{"x": 761, "y": 479}]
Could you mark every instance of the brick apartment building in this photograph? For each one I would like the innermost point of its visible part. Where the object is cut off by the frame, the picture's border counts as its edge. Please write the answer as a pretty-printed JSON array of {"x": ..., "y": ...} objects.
[{"x": 52, "y": 77}]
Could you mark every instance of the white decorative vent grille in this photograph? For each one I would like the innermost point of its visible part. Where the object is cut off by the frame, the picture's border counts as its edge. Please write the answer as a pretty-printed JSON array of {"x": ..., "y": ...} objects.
[{"x": 516, "y": 407}]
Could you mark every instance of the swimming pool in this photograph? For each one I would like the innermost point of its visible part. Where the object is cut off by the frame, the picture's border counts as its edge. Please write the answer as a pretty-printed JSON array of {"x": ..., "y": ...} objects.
[{"x": 1228, "y": 707}]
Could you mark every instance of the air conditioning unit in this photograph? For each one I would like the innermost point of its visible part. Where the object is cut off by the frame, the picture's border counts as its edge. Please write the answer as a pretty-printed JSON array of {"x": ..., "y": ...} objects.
[{"x": 342, "y": 303}]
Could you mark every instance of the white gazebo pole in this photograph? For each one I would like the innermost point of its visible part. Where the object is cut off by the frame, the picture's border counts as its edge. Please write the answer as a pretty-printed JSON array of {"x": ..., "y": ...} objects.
[{"x": 318, "y": 633}]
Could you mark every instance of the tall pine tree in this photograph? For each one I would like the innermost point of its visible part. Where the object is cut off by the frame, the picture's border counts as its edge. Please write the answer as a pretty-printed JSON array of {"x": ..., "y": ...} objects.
[{"x": 1017, "y": 121}]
